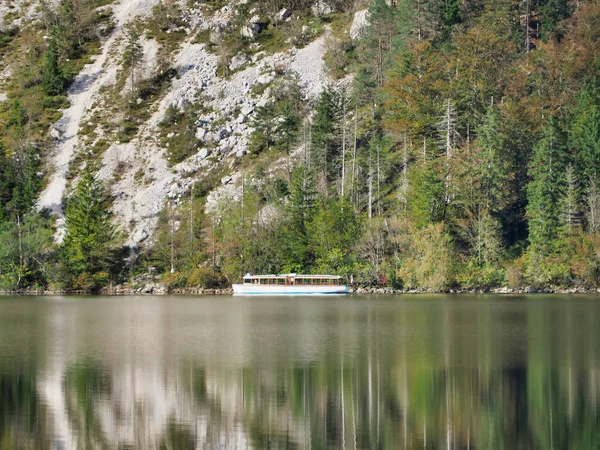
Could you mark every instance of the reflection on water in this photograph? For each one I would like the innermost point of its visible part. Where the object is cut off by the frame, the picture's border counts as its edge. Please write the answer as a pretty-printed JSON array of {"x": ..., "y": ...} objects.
[{"x": 314, "y": 373}]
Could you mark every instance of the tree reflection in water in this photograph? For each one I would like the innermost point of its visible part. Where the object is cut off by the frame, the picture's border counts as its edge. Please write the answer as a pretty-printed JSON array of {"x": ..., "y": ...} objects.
[{"x": 461, "y": 375}]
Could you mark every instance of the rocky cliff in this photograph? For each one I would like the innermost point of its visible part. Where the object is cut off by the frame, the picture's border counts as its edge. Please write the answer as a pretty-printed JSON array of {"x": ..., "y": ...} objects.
[{"x": 196, "y": 80}]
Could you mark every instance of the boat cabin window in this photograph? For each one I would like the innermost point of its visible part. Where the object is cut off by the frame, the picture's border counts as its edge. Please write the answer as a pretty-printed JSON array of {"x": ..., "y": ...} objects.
[{"x": 280, "y": 281}]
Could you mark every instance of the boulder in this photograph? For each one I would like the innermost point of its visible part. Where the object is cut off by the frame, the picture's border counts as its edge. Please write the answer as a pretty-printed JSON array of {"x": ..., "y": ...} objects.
[
  {"x": 265, "y": 78},
  {"x": 140, "y": 235},
  {"x": 216, "y": 36},
  {"x": 240, "y": 153},
  {"x": 204, "y": 153},
  {"x": 322, "y": 8},
  {"x": 247, "y": 110},
  {"x": 283, "y": 15},
  {"x": 224, "y": 133},
  {"x": 200, "y": 133},
  {"x": 54, "y": 133},
  {"x": 211, "y": 137},
  {"x": 226, "y": 180},
  {"x": 252, "y": 28},
  {"x": 359, "y": 24},
  {"x": 224, "y": 149},
  {"x": 238, "y": 61}
]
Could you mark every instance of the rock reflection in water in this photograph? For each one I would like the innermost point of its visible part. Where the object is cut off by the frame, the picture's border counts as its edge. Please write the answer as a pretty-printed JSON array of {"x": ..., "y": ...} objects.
[{"x": 354, "y": 373}]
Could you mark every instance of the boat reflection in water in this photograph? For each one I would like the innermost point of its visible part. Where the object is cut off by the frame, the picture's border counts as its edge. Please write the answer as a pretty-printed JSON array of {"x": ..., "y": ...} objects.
[{"x": 354, "y": 373}]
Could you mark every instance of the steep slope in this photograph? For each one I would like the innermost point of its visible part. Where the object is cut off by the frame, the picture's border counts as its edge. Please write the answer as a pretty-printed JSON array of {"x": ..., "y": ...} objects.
[
  {"x": 81, "y": 95},
  {"x": 138, "y": 172}
]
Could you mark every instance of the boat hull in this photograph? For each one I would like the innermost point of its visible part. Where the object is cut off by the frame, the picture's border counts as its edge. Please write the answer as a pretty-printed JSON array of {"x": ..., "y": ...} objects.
[{"x": 261, "y": 289}]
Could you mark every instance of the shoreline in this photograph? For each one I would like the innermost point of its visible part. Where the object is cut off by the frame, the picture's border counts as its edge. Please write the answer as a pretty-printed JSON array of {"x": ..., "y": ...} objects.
[{"x": 158, "y": 289}]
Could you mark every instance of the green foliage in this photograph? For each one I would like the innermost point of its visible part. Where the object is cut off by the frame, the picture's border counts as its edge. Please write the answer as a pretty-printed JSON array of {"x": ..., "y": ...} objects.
[
  {"x": 492, "y": 169},
  {"x": 89, "y": 236},
  {"x": 428, "y": 259},
  {"x": 27, "y": 181},
  {"x": 17, "y": 119},
  {"x": 333, "y": 232},
  {"x": 179, "y": 238},
  {"x": 547, "y": 171},
  {"x": 510, "y": 199},
  {"x": 27, "y": 245},
  {"x": 553, "y": 12},
  {"x": 427, "y": 202},
  {"x": 53, "y": 79},
  {"x": 132, "y": 55},
  {"x": 6, "y": 36},
  {"x": 585, "y": 127},
  {"x": 276, "y": 124}
]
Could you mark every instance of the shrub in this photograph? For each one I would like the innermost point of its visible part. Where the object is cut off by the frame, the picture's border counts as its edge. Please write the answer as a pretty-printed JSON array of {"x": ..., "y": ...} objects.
[{"x": 429, "y": 260}]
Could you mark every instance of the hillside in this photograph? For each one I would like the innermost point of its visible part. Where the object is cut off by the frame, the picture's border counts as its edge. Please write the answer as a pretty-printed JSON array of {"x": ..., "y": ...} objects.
[{"x": 412, "y": 144}]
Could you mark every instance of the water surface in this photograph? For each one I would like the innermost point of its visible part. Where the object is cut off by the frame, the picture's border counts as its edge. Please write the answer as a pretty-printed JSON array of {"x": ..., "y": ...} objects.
[{"x": 360, "y": 372}]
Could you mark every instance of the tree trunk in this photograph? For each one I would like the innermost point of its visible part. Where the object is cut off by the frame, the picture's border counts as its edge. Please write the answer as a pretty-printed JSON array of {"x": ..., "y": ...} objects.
[
  {"x": 344, "y": 145},
  {"x": 21, "y": 258}
]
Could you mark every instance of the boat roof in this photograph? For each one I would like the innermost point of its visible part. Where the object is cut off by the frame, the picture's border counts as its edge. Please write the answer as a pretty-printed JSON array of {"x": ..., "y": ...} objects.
[{"x": 292, "y": 275}]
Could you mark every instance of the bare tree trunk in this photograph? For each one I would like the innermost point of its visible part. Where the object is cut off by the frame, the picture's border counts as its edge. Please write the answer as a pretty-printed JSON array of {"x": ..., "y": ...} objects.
[
  {"x": 243, "y": 195},
  {"x": 404, "y": 184},
  {"x": 370, "y": 200},
  {"x": 172, "y": 237},
  {"x": 527, "y": 16},
  {"x": 593, "y": 213},
  {"x": 380, "y": 50},
  {"x": 354, "y": 155},
  {"x": 21, "y": 258},
  {"x": 419, "y": 20},
  {"x": 192, "y": 223},
  {"x": 344, "y": 107},
  {"x": 378, "y": 182}
]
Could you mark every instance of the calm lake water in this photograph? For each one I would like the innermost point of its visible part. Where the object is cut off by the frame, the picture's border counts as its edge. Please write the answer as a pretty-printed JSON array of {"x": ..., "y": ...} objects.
[{"x": 360, "y": 372}]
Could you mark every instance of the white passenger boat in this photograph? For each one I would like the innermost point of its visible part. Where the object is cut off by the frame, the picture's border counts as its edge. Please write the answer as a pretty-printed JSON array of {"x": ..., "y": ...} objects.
[{"x": 291, "y": 284}]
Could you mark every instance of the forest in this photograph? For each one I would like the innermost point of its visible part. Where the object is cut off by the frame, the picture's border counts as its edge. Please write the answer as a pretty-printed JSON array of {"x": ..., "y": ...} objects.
[{"x": 461, "y": 151}]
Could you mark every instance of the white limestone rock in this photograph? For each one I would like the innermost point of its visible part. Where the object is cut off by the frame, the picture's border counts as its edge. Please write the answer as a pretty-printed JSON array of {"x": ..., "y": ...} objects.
[
  {"x": 359, "y": 24},
  {"x": 322, "y": 8},
  {"x": 200, "y": 133},
  {"x": 238, "y": 61},
  {"x": 283, "y": 15}
]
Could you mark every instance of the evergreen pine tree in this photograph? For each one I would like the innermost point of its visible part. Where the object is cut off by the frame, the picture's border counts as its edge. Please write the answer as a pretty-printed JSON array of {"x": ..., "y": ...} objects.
[
  {"x": 27, "y": 181},
  {"x": 324, "y": 143},
  {"x": 5, "y": 181},
  {"x": 547, "y": 171},
  {"x": 53, "y": 80},
  {"x": 89, "y": 233},
  {"x": 450, "y": 12},
  {"x": 585, "y": 128},
  {"x": 300, "y": 208},
  {"x": 132, "y": 56},
  {"x": 553, "y": 12},
  {"x": 426, "y": 195},
  {"x": 569, "y": 201},
  {"x": 17, "y": 119},
  {"x": 492, "y": 169}
]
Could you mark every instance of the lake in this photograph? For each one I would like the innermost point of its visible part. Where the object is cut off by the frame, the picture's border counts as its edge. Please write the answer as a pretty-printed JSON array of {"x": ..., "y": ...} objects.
[{"x": 358, "y": 372}]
